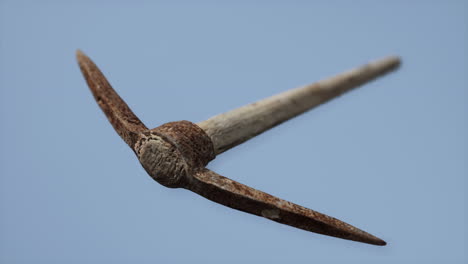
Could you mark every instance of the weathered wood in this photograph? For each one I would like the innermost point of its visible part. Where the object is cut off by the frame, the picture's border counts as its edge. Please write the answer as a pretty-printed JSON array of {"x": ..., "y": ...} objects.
[{"x": 232, "y": 128}]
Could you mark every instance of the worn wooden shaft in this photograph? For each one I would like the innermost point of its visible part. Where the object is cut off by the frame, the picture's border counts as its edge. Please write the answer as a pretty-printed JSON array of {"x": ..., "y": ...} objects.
[{"x": 232, "y": 128}]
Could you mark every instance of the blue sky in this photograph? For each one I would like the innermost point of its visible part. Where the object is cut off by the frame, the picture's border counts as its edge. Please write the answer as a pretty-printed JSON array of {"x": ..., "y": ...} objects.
[{"x": 390, "y": 157}]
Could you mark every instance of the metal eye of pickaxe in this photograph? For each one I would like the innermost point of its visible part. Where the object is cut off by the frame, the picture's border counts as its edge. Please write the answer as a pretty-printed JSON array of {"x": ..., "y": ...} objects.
[{"x": 175, "y": 154}]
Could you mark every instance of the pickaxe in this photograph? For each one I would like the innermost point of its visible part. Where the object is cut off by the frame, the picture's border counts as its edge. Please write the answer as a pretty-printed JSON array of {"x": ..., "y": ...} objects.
[{"x": 175, "y": 154}]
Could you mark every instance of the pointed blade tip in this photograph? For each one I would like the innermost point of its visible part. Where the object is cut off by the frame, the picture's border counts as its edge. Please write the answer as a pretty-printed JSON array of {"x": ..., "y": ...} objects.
[
  {"x": 380, "y": 242},
  {"x": 79, "y": 54},
  {"x": 81, "y": 57},
  {"x": 373, "y": 240}
]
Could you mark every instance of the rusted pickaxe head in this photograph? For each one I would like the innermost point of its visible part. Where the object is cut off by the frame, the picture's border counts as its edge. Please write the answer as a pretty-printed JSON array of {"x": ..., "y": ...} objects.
[{"x": 175, "y": 154}]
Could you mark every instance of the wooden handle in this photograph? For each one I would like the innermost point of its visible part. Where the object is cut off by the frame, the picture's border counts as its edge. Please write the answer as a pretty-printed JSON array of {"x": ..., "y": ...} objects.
[{"x": 232, "y": 128}]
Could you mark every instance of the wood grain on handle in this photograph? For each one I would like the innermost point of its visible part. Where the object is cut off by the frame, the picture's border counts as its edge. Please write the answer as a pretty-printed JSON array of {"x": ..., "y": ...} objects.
[{"x": 232, "y": 128}]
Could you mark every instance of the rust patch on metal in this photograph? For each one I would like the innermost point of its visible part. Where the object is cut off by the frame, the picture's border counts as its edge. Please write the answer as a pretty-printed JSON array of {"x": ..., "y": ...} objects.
[
  {"x": 192, "y": 142},
  {"x": 124, "y": 121},
  {"x": 172, "y": 152},
  {"x": 244, "y": 198}
]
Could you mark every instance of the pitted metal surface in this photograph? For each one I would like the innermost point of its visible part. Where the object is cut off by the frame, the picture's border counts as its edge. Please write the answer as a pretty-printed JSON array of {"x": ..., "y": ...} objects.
[{"x": 172, "y": 152}]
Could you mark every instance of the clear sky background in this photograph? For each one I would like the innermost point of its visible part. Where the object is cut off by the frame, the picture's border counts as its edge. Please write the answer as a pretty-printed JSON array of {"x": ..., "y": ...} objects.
[{"x": 390, "y": 157}]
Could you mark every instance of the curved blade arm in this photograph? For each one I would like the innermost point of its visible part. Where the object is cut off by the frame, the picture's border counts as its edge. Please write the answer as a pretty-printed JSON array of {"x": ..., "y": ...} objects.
[
  {"x": 124, "y": 121},
  {"x": 241, "y": 197}
]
